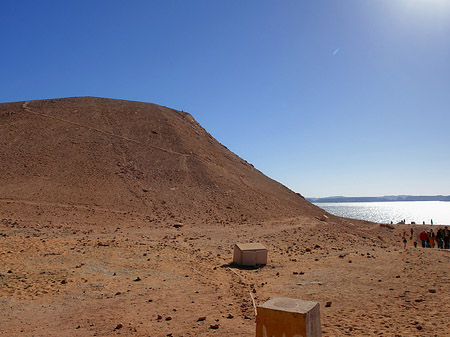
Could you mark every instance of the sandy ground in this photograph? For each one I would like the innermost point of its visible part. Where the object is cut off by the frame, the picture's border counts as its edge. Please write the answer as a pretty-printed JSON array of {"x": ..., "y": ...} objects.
[
  {"x": 119, "y": 218},
  {"x": 139, "y": 279}
]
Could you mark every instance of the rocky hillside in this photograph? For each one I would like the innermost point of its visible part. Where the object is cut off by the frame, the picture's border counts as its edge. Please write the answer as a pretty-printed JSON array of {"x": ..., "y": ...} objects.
[{"x": 118, "y": 156}]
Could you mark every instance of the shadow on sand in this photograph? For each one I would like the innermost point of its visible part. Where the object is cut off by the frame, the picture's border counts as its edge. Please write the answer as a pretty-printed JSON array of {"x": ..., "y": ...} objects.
[{"x": 240, "y": 267}]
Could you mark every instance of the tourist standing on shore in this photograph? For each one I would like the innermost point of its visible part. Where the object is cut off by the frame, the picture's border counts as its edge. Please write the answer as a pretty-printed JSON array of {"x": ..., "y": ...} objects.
[
  {"x": 446, "y": 234},
  {"x": 423, "y": 236},
  {"x": 440, "y": 238},
  {"x": 404, "y": 239},
  {"x": 431, "y": 237}
]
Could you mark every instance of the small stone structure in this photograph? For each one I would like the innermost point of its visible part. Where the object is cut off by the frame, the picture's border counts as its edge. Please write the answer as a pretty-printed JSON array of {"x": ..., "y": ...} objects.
[
  {"x": 249, "y": 254},
  {"x": 288, "y": 317}
]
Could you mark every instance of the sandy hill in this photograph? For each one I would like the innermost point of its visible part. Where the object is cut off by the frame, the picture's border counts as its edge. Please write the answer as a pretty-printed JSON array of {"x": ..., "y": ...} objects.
[{"x": 95, "y": 154}]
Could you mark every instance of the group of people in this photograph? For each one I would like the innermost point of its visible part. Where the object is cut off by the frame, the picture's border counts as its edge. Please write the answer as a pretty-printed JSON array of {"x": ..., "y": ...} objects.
[{"x": 430, "y": 239}]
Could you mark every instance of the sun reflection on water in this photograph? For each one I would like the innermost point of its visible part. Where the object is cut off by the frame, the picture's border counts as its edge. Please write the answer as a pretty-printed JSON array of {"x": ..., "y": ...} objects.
[{"x": 385, "y": 212}]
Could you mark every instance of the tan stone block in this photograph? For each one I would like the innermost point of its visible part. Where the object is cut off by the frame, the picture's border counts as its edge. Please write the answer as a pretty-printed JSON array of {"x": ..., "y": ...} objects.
[
  {"x": 288, "y": 317},
  {"x": 249, "y": 254}
]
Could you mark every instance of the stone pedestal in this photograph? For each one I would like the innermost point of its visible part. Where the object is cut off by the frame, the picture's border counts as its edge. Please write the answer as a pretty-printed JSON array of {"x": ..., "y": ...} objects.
[
  {"x": 288, "y": 317},
  {"x": 250, "y": 254}
]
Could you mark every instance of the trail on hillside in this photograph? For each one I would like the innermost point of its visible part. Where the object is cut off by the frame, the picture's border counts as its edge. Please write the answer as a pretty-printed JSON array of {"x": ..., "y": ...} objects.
[{"x": 28, "y": 109}]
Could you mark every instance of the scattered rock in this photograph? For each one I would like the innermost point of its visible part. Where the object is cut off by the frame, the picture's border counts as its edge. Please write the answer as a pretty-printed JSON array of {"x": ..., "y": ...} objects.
[
  {"x": 328, "y": 304},
  {"x": 137, "y": 279},
  {"x": 322, "y": 217},
  {"x": 118, "y": 326},
  {"x": 201, "y": 319},
  {"x": 214, "y": 326}
]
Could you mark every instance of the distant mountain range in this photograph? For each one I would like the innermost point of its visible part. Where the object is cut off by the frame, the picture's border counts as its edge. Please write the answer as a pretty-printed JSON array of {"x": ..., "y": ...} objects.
[{"x": 384, "y": 198}]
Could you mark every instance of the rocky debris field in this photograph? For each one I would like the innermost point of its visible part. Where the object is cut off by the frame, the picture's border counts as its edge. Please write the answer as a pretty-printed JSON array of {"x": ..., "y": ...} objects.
[{"x": 177, "y": 279}]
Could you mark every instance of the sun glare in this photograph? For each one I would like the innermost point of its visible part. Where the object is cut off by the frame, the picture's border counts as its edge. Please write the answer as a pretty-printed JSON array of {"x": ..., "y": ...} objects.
[
  {"x": 428, "y": 4},
  {"x": 435, "y": 12}
]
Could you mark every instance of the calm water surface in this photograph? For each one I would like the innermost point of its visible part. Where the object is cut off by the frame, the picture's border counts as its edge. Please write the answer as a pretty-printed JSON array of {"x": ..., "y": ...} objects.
[{"x": 385, "y": 212}]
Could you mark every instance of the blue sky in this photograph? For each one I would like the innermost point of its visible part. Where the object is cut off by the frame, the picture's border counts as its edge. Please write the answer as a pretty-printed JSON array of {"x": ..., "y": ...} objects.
[{"x": 348, "y": 97}]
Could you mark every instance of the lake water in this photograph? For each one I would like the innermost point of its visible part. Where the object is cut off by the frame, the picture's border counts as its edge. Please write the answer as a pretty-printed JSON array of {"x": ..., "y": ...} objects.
[{"x": 385, "y": 212}]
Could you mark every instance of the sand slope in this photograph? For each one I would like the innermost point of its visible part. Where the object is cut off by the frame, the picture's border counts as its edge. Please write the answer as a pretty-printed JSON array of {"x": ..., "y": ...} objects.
[{"x": 124, "y": 156}]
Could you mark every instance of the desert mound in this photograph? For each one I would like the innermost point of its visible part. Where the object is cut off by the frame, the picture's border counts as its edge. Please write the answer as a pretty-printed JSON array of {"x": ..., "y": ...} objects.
[{"x": 95, "y": 154}]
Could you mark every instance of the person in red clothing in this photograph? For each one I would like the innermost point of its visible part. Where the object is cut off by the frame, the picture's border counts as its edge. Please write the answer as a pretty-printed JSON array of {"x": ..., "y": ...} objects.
[{"x": 424, "y": 238}]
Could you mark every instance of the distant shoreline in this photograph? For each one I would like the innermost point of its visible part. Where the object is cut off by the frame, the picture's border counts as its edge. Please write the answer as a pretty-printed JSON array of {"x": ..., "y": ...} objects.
[{"x": 391, "y": 198}]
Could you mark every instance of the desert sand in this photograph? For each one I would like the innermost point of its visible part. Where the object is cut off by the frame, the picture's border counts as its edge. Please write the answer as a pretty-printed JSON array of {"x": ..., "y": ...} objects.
[{"x": 119, "y": 218}]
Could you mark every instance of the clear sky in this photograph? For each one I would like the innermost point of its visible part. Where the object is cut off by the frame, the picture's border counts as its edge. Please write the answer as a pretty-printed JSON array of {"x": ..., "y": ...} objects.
[{"x": 329, "y": 97}]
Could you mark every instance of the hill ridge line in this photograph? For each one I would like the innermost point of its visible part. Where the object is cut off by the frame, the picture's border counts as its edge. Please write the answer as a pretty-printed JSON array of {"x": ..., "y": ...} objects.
[{"x": 26, "y": 108}]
